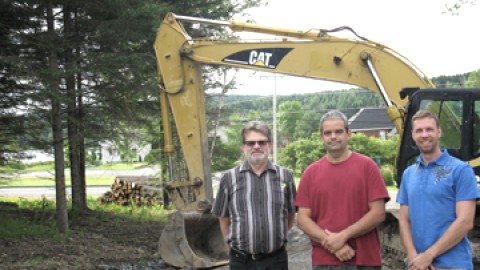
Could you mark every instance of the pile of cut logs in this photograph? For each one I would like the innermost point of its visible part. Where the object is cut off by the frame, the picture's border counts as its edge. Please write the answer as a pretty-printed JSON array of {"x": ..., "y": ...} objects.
[{"x": 133, "y": 190}]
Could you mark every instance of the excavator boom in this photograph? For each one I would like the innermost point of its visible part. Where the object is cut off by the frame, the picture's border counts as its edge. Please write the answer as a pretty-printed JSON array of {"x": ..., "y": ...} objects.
[{"x": 314, "y": 53}]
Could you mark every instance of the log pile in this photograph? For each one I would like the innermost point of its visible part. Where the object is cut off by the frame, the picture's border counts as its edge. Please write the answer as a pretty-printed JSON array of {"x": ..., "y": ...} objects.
[{"x": 133, "y": 190}]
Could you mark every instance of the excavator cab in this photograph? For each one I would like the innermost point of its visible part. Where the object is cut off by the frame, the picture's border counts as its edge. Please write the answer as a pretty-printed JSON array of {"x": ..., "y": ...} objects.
[{"x": 459, "y": 113}]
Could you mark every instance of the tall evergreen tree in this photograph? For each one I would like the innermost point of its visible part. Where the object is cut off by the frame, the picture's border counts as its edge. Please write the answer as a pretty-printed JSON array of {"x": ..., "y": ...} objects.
[{"x": 82, "y": 67}]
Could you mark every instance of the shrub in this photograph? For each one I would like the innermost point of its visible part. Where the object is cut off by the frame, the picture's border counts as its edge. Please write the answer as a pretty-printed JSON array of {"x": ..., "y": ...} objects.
[{"x": 388, "y": 175}]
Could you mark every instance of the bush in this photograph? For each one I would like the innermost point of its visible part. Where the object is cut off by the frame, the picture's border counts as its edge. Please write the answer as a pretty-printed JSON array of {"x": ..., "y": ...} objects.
[
  {"x": 388, "y": 175},
  {"x": 154, "y": 157},
  {"x": 16, "y": 165}
]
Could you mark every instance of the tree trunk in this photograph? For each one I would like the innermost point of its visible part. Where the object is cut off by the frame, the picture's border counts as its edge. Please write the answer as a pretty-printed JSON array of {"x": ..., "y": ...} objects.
[
  {"x": 78, "y": 190},
  {"x": 80, "y": 113},
  {"x": 61, "y": 199},
  {"x": 81, "y": 142},
  {"x": 73, "y": 144}
]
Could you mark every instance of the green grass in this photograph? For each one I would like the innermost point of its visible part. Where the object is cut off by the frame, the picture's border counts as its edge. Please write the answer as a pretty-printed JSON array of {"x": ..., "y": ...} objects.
[
  {"x": 29, "y": 230},
  {"x": 392, "y": 188},
  {"x": 44, "y": 166},
  {"x": 38, "y": 222},
  {"x": 35, "y": 218},
  {"x": 133, "y": 213}
]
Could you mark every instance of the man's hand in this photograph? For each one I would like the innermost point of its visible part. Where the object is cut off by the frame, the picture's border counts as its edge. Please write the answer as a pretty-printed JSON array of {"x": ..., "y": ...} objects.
[
  {"x": 422, "y": 261},
  {"x": 345, "y": 253},
  {"x": 334, "y": 241}
]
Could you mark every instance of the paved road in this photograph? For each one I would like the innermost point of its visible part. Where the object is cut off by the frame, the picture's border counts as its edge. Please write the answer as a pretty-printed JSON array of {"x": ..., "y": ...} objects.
[
  {"x": 49, "y": 192},
  {"x": 392, "y": 204},
  {"x": 136, "y": 172}
]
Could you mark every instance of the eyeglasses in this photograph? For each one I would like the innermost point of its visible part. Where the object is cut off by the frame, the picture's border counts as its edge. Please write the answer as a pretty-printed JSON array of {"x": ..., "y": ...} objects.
[{"x": 252, "y": 143}]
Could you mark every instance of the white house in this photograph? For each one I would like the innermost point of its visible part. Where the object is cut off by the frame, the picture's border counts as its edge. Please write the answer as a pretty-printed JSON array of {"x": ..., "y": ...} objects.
[{"x": 110, "y": 153}]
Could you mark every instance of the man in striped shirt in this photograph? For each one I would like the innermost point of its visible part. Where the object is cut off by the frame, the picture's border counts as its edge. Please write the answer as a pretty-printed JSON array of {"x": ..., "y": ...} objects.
[{"x": 254, "y": 205}]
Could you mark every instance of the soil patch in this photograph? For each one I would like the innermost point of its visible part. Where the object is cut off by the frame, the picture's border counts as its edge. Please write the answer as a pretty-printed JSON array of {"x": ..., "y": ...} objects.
[
  {"x": 95, "y": 238},
  {"x": 99, "y": 240}
]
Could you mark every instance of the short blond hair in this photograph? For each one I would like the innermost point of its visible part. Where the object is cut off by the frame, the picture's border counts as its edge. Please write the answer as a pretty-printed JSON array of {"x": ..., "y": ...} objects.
[{"x": 425, "y": 114}]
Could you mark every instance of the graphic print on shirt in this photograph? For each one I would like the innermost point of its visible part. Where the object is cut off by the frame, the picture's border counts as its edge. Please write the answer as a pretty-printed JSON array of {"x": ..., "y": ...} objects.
[{"x": 441, "y": 172}]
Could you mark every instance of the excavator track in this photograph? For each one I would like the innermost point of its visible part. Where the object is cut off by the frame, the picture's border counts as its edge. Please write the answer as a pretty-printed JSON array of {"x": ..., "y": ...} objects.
[{"x": 393, "y": 253}]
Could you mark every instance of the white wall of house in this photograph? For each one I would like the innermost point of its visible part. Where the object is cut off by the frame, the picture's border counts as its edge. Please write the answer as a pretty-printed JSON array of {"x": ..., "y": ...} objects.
[
  {"x": 108, "y": 151},
  {"x": 37, "y": 156},
  {"x": 111, "y": 154}
]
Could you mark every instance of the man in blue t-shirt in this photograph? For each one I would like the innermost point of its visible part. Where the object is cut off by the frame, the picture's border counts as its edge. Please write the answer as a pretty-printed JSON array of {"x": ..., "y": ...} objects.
[{"x": 437, "y": 200}]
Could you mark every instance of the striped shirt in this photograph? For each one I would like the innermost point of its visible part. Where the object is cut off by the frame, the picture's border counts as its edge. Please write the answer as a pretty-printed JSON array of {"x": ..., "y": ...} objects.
[{"x": 257, "y": 206}]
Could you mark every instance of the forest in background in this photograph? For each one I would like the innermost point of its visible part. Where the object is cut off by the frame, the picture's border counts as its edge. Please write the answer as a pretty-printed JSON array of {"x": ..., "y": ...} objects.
[{"x": 298, "y": 116}]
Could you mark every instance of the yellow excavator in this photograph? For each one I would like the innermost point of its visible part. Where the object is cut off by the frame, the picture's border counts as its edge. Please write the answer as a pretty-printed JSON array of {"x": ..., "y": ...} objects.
[{"x": 192, "y": 236}]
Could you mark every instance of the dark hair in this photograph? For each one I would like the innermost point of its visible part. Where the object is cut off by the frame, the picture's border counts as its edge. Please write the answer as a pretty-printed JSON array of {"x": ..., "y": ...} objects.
[
  {"x": 425, "y": 114},
  {"x": 334, "y": 115},
  {"x": 256, "y": 126}
]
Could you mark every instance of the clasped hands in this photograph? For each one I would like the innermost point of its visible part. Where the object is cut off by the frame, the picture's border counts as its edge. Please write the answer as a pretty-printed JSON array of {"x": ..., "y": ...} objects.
[
  {"x": 421, "y": 261},
  {"x": 336, "y": 244}
]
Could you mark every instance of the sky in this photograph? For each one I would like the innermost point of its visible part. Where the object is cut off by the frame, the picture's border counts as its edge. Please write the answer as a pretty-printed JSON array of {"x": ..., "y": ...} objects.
[{"x": 437, "y": 42}]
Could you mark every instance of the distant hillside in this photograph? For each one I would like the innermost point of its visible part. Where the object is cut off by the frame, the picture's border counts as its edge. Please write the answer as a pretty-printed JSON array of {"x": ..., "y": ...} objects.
[{"x": 348, "y": 101}]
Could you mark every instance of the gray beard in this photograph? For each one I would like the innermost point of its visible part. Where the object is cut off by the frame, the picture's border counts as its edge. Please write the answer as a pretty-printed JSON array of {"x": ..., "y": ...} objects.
[{"x": 257, "y": 160}]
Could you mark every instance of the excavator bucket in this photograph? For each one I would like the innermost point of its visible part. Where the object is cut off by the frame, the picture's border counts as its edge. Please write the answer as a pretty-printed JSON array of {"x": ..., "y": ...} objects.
[{"x": 193, "y": 239}]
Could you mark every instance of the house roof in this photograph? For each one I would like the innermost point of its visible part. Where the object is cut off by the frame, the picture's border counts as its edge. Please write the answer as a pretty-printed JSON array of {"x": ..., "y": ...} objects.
[{"x": 370, "y": 119}]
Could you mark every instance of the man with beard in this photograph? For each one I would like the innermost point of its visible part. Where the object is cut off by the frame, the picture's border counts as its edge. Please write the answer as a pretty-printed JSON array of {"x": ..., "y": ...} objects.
[
  {"x": 341, "y": 200},
  {"x": 254, "y": 205},
  {"x": 437, "y": 202}
]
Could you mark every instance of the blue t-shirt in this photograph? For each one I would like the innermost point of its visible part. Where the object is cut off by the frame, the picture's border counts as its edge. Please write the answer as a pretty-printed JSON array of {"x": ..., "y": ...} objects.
[{"x": 431, "y": 192}]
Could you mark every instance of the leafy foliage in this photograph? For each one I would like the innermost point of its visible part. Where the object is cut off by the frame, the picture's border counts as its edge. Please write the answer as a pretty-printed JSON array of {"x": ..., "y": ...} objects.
[
  {"x": 473, "y": 79},
  {"x": 299, "y": 154},
  {"x": 452, "y": 81}
]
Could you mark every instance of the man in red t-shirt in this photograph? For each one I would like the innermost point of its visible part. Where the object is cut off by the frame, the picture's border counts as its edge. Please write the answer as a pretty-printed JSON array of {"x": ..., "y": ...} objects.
[{"x": 341, "y": 200}]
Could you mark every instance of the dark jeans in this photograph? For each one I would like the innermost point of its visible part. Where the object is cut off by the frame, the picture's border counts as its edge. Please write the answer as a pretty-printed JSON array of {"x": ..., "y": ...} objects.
[
  {"x": 277, "y": 261},
  {"x": 345, "y": 267}
]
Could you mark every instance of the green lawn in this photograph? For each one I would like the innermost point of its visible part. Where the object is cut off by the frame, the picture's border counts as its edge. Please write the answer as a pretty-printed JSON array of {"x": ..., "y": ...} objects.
[{"x": 392, "y": 188}]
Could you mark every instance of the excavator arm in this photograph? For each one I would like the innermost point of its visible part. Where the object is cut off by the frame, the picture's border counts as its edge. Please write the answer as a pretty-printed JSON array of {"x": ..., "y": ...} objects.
[{"x": 310, "y": 54}]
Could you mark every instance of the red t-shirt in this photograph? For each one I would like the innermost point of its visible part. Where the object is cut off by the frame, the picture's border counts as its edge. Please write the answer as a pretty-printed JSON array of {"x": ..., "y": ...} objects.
[{"x": 338, "y": 196}]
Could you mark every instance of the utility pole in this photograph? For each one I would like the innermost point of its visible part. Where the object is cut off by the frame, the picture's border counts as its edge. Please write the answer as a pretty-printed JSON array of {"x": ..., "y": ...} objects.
[{"x": 274, "y": 112}]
